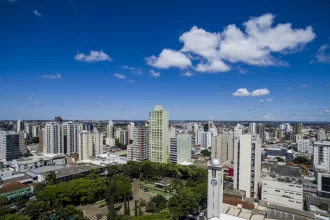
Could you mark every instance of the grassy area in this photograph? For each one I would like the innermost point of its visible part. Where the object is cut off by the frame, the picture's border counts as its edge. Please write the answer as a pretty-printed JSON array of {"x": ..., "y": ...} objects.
[{"x": 155, "y": 191}]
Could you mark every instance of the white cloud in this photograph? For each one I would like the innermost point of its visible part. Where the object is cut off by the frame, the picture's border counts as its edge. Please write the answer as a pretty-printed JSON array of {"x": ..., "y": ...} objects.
[
  {"x": 321, "y": 55},
  {"x": 154, "y": 74},
  {"x": 131, "y": 81},
  {"x": 242, "y": 92},
  {"x": 260, "y": 92},
  {"x": 211, "y": 117},
  {"x": 169, "y": 58},
  {"x": 29, "y": 97},
  {"x": 212, "y": 67},
  {"x": 102, "y": 97},
  {"x": 36, "y": 13},
  {"x": 303, "y": 86},
  {"x": 128, "y": 68},
  {"x": 327, "y": 110},
  {"x": 200, "y": 42},
  {"x": 188, "y": 74},
  {"x": 290, "y": 88},
  {"x": 54, "y": 76},
  {"x": 257, "y": 43},
  {"x": 266, "y": 100},
  {"x": 119, "y": 76},
  {"x": 94, "y": 56}
]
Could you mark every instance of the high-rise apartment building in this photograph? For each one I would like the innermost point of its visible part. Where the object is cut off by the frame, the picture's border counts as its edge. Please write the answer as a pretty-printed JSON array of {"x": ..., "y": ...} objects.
[
  {"x": 22, "y": 146},
  {"x": 223, "y": 147},
  {"x": 90, "y": 144},
  {"x": 130, "y": 128},
  {"x": 247, "y": 164},
  {"x": 321, "y": 157},
  {"x": 238, "y": 130},
  {"x": 53, "y": 138},
  {"x": 35, "y": 130},
  {"x": 321, "y": 135},
  {"x": 299, "y": 128},
  {"x": 110, "y": 133},
  {"x": 305, "y": 145},
  {"x": 261, "y": 132},
  {"x": 180, "y": 148},
  {"x": 172, "y": 131},
  {"x": 9, "y": 146},
  {"x": 253, "y": 128},
  {"x": 159, "y": 139},
  {"x": 204, "y": 139},
  {"x": 20, "y": 126},
  {"x": 41, "y": 140},
  {"x": 139, "y": 149},
  {"x": 28, "y": 129},
  {"x": 71, "y": 131},
  {"x": 123, "y": 137}
]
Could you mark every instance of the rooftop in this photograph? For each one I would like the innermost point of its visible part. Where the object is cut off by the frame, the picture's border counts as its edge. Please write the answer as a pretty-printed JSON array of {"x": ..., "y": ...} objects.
[
  {"x": 68, "y": 170},
  {"x": 281, "y": 173},
  {"x": 318, "y": 205},
  {"x": 234, "y": 192},
  {"x": 13, "y": 186}
]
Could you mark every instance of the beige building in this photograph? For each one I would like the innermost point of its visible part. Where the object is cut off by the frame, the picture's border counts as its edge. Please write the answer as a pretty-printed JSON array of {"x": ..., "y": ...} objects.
[
  {"x": 159, "y": 135},
  {"x": 90, "y": 144},
  {"x": 223, "y": 147}
]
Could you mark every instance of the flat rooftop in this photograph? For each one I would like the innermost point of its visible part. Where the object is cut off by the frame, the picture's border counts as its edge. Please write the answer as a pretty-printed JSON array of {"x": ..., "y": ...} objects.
[{"x": 66, "y": 170}]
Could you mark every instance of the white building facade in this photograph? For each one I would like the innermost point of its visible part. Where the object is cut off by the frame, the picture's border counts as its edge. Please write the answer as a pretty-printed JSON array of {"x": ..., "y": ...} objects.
[
  {"x": 247, "y": 164},
  {"x": 53, "y": 138},
  {"x": 305, "y": 145},
  {"x": 321, "y": 158},
  {"x": 180, "y": 148}
]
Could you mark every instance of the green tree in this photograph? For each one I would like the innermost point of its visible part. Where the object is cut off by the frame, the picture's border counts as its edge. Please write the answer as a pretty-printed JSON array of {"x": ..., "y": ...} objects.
[
  {"x": 279, "y": 159},
  {"x": 184, "y": 203},
  {"x": 4, "y": 201},
  {"x": 50, "y": 178},
  {"x": 206, "y": 153},
  {"x": 150, "y": 207},
  {"x": 301, "y": 160},
  {"x": 160, "y": 202},
  {"x": 35, "y": 208},
  {"x": 136, "y": 207},
  {"x": 16, "y": 217}
]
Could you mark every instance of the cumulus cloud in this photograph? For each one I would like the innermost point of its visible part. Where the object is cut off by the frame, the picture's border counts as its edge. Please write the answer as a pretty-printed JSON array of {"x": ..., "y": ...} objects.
[
  {"x": 93, "y": 56},
  {"x": 154, "y": 74},
  {"x": 36, "y": 13},
  {"x": 169, "y": 58},
  {"x": 254, "y": 93},
  {"x": 29, "y": 97},
  {"x": 303, "y": 86},
  {"x": 258, "y": 43},
  {"x": 131, "y": 81},
  {"x": 242, "y": 92},
  {"x": 260, "y": 92},
  {"x": 200, "y": 42},
  {"x": 102, "y": 97},
  {"x": 323, "y": 54},
  {"x": 213, "y": 67},
  {"x": 188, "y": 74},
  {"x": 54, "y": 76},
  {"x": 119, "y": 76}
]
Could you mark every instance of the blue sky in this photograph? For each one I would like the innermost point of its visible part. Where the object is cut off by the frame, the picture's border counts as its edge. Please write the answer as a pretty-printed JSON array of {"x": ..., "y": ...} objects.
[{"x": 220, "y": 60}]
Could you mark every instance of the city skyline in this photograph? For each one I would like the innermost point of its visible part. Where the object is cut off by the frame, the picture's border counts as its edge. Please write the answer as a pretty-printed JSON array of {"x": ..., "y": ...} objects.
[{"x": 116, "y": 61}]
